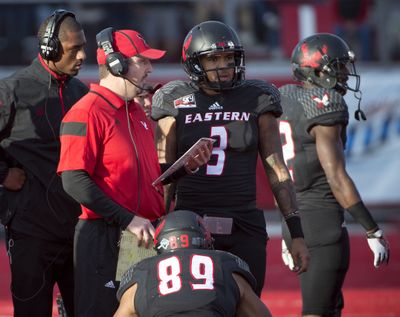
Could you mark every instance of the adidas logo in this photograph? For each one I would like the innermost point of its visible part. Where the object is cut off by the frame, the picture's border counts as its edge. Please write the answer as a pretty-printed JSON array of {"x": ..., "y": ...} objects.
[
  {"x": 109, "y": 284},
  {"x": 215, "y": 106}
]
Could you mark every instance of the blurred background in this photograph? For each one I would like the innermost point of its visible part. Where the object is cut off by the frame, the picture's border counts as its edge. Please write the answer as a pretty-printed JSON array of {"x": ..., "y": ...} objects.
[{"x": 268, "y": 28}]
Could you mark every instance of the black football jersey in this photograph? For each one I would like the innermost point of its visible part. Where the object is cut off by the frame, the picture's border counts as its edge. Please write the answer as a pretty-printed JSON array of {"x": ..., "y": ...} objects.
[
  {"x": 228, "y": 181},
  {"x": 192, "y": 283},
  {"x": 302, "y": 110}
]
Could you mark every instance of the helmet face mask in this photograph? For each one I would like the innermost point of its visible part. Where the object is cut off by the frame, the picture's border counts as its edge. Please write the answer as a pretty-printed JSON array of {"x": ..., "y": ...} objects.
[
  {"x": 206, "y": 39},
  {"x": 181, "y": 229},
  {"x": 325, "y": 60}
]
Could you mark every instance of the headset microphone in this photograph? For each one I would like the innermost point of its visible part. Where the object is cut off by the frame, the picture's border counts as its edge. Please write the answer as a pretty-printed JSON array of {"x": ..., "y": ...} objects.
[
  {"x": 359, "y": 113},
  {"x": 148, "y": 88}
]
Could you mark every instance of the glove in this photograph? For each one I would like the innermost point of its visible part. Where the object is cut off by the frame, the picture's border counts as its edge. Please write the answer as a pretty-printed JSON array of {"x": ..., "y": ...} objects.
[
  {"x": 286, "y": 256},
  {"x": 379, "y": 246}
]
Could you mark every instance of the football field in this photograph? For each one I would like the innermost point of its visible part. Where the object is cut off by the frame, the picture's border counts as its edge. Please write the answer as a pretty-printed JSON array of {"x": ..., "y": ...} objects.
[{"x": 368, "y": 292}]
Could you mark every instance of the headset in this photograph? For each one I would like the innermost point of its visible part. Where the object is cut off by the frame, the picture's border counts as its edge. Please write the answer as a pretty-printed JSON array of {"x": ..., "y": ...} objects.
[
  {"x": 49, "y": 44},
  {"x": 116, "y": 63}
]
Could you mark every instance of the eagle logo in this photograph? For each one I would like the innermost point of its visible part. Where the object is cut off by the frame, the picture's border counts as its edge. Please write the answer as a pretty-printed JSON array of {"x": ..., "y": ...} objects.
[
  {"x": 321, "y": 103},
  {"x": 312, "y": 60}
]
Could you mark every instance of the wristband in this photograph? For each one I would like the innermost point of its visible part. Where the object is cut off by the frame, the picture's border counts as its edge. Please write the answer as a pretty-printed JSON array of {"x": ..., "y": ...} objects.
[
  {"x": 378, "y": 234},
  {"x": 292, "y": 214},
  {"x": 294, "y": 225},
  {"x": 362, "y": 215}
]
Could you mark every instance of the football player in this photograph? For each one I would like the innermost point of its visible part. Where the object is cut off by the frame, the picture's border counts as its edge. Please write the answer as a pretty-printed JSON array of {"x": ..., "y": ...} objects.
[
  {"x": 187, "y": 277},
  {"x": 240, "y": 115},
  {"x": 313, "y": 131}
]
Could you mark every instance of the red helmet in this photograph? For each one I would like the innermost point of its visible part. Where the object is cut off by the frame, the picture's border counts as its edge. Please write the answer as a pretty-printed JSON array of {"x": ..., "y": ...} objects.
[{"x": 181, "y": 229}]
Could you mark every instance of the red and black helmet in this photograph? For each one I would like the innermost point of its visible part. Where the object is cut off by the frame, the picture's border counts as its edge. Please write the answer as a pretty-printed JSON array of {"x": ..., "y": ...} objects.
[
  {"x": 212, "y": 37},
  {"x": 181, "y": 229},
  {"x": 325, "y": 60}
]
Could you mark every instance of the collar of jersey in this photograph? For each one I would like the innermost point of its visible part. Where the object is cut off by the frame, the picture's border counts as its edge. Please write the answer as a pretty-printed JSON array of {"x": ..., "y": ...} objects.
[
  {"x": 60, "y": 78},
  {"x": 111, "y": 97}
]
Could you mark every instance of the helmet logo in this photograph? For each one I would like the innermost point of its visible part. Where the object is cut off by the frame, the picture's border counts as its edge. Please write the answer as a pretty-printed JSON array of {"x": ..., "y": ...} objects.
[
  {"x": 312, "y": 60},
  {"x": 164, "y": 244},
  {"x": 186, "y": 45},
  {"x": 228, "y": 44}
]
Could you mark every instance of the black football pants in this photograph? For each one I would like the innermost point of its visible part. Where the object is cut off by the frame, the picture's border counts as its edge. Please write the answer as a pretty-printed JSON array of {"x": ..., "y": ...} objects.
[{"x": 249, "y": 247}]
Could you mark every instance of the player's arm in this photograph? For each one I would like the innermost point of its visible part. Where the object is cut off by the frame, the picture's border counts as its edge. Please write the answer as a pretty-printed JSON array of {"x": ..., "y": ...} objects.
[
  {"x": 282, "y": 186},
  {"x": 250, "y": 304},
  {"x": 166, "y": 140},
  {"x": 331, "y": 156},
  {"x": 166, "y": 149},
  {"x": 127, "y": 303}
]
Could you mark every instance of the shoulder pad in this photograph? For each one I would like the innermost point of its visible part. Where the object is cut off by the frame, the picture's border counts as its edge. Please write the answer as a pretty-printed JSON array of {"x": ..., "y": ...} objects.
[
  {"x": 165, "y": 99},
  {"x": 319, "y": 102},
  {"x": 127, "y": 280},
  {"x": 321, "y": 106},
  {"x": 266, "y": 88},
  {"x": 288, "y": 89},
  {"x": 269, "y": 98},
  {"x": 234, "y": 264}
]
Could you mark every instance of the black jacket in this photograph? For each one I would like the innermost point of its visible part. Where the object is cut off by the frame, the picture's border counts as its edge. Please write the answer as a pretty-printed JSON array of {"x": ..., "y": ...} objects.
[{"x": 30, "y": 116}]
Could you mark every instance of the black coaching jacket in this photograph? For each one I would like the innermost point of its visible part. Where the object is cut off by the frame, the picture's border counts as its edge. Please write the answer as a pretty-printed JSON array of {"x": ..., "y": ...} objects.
[{"x": 33, "y": 102}]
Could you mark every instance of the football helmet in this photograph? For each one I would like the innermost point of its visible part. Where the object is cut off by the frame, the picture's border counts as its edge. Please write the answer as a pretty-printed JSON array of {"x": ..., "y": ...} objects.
[
  {"x": 325, "y": 60},
  {"x": 181, "y": 229},
  {"x": 207, "y": 38}
]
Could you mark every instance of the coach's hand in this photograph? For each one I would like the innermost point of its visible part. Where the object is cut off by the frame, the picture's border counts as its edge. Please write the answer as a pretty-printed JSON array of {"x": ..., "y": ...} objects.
[
  {"x": 142, "y": 229},
  {"x": 379, "y": 246}
]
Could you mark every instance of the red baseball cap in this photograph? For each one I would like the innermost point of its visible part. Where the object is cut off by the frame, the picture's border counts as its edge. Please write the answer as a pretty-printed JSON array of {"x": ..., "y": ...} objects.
[{"x": 130, "y": 43}]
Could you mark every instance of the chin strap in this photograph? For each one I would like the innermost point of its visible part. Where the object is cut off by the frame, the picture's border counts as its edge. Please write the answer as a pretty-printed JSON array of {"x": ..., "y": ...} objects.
[{"x": 359, "y": 113}]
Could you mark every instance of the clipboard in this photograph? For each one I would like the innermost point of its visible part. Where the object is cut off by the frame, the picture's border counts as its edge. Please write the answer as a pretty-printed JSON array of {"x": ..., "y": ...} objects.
[
  {"x": 130, "y": 253},
  {"x": 182, "y": 160}
]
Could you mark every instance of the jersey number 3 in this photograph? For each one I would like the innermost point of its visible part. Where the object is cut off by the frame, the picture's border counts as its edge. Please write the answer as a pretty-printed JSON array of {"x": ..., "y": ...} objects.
[
  {"x": 218, "y": 151},
  {"x": 169, "y": 274}
]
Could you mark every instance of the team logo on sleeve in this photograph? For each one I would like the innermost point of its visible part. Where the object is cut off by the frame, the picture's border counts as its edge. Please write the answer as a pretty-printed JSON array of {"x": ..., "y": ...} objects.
[
  {"x": 321, "y": 103},
  {"x": 185, "y": 102}
]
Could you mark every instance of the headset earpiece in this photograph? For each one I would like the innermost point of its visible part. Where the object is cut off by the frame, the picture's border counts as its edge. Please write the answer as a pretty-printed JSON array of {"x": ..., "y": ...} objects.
[
  {"x": 49, "y": 43},
  {"x": 116, "y": 64}
]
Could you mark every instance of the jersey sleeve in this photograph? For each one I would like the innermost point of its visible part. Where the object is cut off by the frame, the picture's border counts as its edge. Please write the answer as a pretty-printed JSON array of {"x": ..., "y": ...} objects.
[
  {"x": 234, "y": 264},
  {"x": 169, "y": 98},
  {"x": 81, "y": 140},
  {"x": 268, "y": 99},
  {"x": 324, "y": 107},
  {"x": 129, "y": 278}
]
